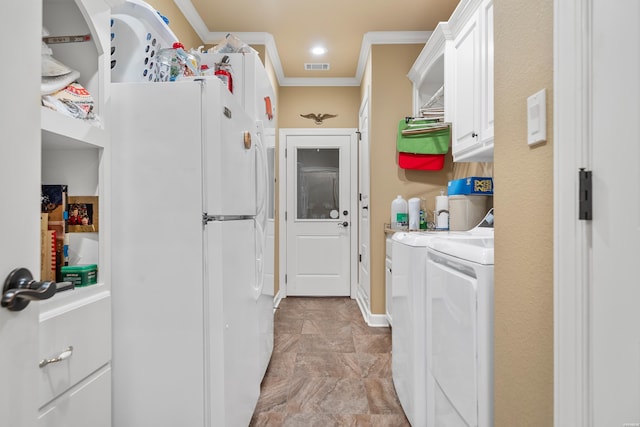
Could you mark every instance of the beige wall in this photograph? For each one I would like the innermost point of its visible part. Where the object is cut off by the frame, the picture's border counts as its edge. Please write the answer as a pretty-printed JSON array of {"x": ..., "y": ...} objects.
[
  {"x": 524, "y": 209},
  {"x": 391, "y": 100},
  {"x": 293, "y": 101},
  {"x": 343, "y": 101}
]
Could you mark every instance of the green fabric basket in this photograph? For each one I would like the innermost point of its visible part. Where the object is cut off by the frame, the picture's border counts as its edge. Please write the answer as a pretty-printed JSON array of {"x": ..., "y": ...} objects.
[{"x": 432, "y": 142}]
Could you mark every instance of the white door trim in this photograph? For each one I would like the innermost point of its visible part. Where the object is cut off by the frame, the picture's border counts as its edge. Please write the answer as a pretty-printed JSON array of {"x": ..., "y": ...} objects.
[
  {"x": 572, "y": 139},
  {"x": 282, "y": 205},
  {"x": 363, "y": 294}
]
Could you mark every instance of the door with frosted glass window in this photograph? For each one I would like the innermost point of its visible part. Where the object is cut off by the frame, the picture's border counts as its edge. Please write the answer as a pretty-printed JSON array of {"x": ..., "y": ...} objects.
[{"x": 318, "y": 215}]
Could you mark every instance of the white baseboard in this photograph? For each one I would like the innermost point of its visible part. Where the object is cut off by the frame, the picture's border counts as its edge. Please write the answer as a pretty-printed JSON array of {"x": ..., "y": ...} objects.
[
  {"x": 378, "y": 321},
  {"x": 373, "y": 320},
  {"x": 276, "y": 301}
]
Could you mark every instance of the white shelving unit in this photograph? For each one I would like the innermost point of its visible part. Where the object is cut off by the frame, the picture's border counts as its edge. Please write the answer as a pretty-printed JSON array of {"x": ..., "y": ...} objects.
[
  {"x": 459, "y": 56},
  {"x": 77, "y": 390},
  {"x": 428, "y": 71}
]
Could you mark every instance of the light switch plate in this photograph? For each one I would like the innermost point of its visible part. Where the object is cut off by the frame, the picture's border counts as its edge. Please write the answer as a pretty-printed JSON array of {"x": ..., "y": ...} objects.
[{"x": 537, "y": 118}]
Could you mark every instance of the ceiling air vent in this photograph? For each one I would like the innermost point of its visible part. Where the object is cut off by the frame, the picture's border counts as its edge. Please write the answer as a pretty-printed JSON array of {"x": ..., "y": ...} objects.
[{"x": 316, "y": 66}]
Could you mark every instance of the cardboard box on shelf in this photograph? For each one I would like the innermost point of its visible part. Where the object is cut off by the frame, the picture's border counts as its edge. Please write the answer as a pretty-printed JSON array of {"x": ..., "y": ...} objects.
[{"x": 472, "y": 185}]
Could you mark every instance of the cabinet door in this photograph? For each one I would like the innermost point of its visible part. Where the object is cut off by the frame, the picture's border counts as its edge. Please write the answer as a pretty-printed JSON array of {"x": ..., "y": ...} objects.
[
  {"x": 466, "y": 86},
  {"x": 486, "y": 82},
  {"x": 20, "y": 217}
]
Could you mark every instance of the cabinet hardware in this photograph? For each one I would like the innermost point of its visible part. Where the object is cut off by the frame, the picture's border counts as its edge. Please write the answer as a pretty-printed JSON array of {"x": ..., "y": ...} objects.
[{"x": 63, "y": 355}]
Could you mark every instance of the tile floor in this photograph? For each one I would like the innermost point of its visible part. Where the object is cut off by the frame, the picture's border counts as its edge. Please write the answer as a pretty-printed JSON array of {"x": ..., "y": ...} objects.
[{"x": 328, "y": 368}]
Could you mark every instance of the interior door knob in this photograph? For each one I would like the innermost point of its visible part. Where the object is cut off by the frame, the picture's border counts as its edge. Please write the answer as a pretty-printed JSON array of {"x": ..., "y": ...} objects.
[{"x": 20, "y": 288}]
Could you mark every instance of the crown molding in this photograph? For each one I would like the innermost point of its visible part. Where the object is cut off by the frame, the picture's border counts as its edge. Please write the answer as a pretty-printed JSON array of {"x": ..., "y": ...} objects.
[
  {"x": 263, "y": 38},
  {"x": 193, "y": 17},
  {"x": 462, "y": 14},
  {"x": 433, "y": 49}
]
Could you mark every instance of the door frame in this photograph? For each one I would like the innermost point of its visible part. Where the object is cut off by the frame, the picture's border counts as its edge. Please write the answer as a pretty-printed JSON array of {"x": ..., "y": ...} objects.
[
  {"x": 364, "y": 163},
  {"x": 282, "y": 202},
  {"x": 572, "y": 140}
]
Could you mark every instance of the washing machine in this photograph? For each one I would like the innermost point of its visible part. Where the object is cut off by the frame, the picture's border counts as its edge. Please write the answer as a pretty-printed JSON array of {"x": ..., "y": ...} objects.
[
  {"x": 409, "y": 349},
  {"x": 459, "y": 303}
]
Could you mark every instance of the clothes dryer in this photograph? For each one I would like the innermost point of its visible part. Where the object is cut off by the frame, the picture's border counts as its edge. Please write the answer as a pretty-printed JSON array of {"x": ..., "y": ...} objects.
[
  {"x": 408, "y": 333},
  {"x": 460, "y": 331}
]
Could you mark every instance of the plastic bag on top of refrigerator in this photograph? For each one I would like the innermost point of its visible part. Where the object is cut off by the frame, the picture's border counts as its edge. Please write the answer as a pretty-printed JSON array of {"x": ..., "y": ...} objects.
[{"x": 231, "y": 44}]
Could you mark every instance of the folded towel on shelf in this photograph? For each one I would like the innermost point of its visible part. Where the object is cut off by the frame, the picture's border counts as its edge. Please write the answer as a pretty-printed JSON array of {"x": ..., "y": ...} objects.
[
  {"x": 73, "y": 100},
  {"x": 421, "y": 136}
]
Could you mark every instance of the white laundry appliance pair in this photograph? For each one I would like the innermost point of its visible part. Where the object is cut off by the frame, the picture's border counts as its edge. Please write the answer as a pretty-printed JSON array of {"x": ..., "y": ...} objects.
[{"x": 442, "y": 340}]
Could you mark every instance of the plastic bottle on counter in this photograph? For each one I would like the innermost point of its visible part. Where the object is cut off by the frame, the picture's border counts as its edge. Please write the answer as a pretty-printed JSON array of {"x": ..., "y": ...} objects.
[
  {"x": 442, "y": 212},
  {"x": 399, "y": 214},
  {"x": 414, "y": 213},
  {"x": 423, "y": 220}
]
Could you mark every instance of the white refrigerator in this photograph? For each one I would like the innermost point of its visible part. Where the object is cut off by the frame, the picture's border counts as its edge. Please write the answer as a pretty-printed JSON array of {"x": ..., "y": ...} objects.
[
  {"x": 251, "y": 84},
  {"x": 253, "y": 90},
  {"x": 188, "y": 256}
]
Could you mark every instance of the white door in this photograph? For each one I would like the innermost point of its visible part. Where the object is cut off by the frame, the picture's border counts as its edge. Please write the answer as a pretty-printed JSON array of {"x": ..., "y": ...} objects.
[
  {"x": 20, "y": 217},
  {"x": 597, "y": 285},
  {"x": 318, "y": 214},
  {"x": 615, "y": 284},
  {"x": 364, "y": 273},
  {"x": 20, "y": 229}
]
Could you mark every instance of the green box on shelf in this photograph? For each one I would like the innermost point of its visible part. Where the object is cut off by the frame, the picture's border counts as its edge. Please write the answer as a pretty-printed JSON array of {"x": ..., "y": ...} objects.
[{"x": 80, "y": 275}]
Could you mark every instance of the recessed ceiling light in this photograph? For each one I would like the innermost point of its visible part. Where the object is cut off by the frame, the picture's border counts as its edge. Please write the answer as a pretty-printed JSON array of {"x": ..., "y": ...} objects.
[{"x": 318, "y": 50}]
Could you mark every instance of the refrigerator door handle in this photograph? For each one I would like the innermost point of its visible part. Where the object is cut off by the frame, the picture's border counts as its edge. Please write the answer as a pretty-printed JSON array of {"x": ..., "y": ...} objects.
[
  {"x": 260, "y": 253},
  {"x": 206, "y": 218},
  {"x": 262, "y": 188}
]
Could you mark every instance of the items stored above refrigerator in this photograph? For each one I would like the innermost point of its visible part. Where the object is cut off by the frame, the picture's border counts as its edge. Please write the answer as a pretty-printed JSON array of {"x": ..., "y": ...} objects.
[
  {"x": 223, "y": 71},
  {"x": 175, "y": 62},
  {"x": 138, "y": 32},
  {"x": 231, "y": 44}
]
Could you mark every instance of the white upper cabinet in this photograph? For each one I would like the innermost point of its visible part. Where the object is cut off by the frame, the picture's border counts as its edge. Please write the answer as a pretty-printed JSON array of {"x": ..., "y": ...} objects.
[
  {"x": 486, "y": 75},
  {"x": 466, "y": 88},
  {"x": 428, "y": 71},
  {"x": 472, "y": 81},
  {"x": 459, "y": 56}
]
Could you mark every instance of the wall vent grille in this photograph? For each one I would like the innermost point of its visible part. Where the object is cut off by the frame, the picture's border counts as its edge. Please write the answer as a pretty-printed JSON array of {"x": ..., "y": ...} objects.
[{"x": 316, "y": 66}]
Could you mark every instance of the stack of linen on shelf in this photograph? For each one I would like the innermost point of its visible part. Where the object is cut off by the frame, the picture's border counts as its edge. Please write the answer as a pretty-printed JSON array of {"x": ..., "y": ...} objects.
[
  {"x": 59, "y": 87},
  {"x": 423, "y": 142}
]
